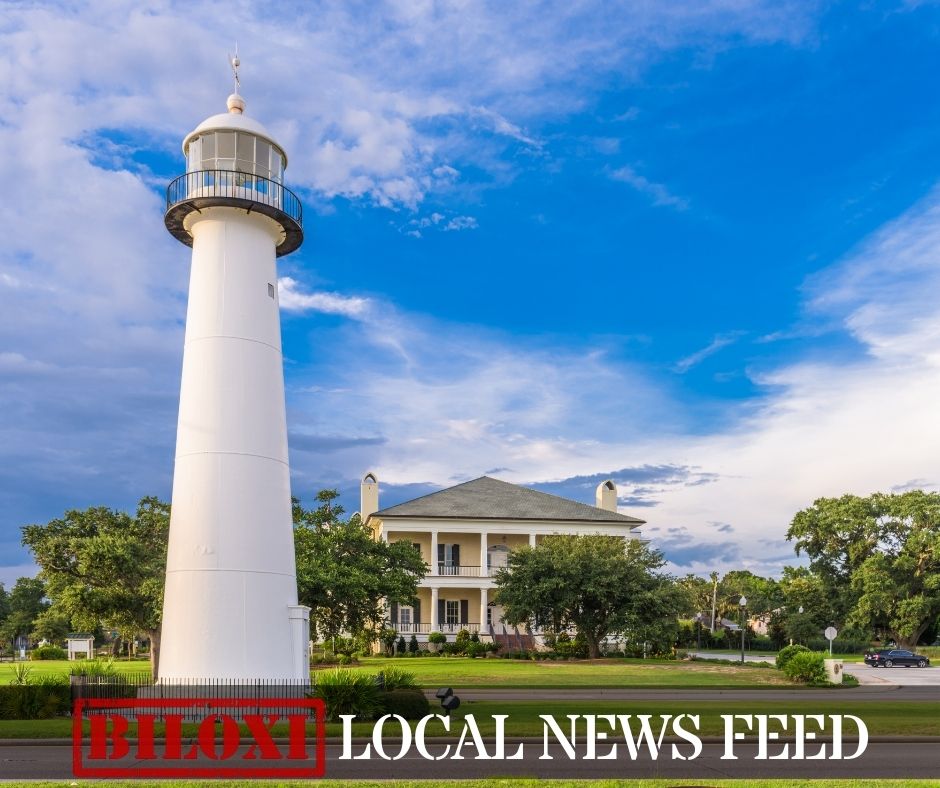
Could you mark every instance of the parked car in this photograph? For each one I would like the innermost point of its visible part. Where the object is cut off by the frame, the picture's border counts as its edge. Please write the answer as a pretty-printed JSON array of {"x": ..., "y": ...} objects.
[{"x": 889, "y": 657}]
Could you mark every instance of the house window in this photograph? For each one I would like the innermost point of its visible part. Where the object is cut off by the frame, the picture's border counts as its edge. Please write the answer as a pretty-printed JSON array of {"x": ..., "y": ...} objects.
[
  {"x": 448, "y": 559},
  {"x": 405, "y": 616},
  {"x": 451, "y": 611}
]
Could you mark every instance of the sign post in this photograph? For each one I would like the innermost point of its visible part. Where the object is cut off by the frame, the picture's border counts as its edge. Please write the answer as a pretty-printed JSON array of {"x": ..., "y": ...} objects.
[{"x": 830, "y": 634}]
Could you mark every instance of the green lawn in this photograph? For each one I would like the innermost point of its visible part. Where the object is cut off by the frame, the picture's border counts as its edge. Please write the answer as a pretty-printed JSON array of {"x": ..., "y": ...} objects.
[
  {"x": 54, "y": 667},
  {"x": 510, "y": 673},
  {"x": 882, "y": 718},
  {"x": 462, "y": 672}
]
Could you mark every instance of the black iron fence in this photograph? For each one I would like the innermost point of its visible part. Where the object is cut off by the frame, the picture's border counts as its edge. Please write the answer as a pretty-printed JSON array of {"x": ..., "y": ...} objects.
[
  {"x": 142, "y": 688},
  {"x": 235, "y": 185}
]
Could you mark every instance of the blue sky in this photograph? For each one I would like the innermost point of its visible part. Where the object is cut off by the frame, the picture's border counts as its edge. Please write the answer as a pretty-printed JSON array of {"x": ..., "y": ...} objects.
[{"x": 692, "y": 246}]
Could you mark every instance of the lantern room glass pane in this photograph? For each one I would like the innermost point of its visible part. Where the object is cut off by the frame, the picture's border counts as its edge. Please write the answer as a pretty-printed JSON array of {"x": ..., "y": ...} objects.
[
  {"x": 208, "y": 150},
  {"x": 246, "y": 147},
  {"x": 225, "y": 141},
  {"x": 263, "y": 158}
]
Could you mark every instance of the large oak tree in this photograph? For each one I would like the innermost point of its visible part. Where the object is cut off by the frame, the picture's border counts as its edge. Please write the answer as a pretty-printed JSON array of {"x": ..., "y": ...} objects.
[
  {"x": 107, "y": 567},
  {"x": 880, "y": 556},
  {"x": 600, "y": 585},
  {"x": 344, "y": 574}
]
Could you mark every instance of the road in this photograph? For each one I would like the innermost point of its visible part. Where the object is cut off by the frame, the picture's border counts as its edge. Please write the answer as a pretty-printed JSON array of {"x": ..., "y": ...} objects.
[
  {"x": 900, "y": 676},
  {"x": 880, "y": 760}
]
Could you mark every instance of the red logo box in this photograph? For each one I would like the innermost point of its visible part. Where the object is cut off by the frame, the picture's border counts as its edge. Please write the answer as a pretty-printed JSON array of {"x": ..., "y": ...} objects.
[{"x": 107, "y": 752}]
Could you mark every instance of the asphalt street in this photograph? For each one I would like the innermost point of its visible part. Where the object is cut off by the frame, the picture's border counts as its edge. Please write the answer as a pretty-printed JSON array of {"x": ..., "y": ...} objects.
[
  {"x": 901, "y": 676},
  {"x": 880, "y": 760}
]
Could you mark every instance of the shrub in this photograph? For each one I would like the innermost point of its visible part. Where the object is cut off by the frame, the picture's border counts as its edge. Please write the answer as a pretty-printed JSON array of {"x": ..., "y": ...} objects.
[
  {"x": 413, "y": 644},
  {"x": 400, "y": 649},
  {"x": 48, "y": 652},
  {"x": 787, "y": 653},
  {"x": 476, "y": 649},
  {"x": 95, "y": 668},
  {"x": 437, "y": 638},
  {"x": 348, "y": 692},
  {"x": 408, "y": 703},
  {"x": 463, "y": 636},
  {"x": 47, "y": 698},
  {"x": 387, "y": 636},
  {"x": 396, "y": 678},
  {"x": 474, "y": 638},
  {"x": 806, "y": 667}
]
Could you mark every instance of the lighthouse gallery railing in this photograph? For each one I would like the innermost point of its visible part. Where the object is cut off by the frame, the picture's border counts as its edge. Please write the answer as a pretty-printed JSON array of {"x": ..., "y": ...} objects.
[{"x": 237, "y": 186}]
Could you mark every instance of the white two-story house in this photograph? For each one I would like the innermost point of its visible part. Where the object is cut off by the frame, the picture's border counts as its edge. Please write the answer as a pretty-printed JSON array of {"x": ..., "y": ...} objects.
[{"x": 466, "y": 532}]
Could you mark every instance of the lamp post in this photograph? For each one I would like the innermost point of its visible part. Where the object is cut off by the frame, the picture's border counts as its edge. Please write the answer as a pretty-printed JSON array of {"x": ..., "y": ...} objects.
[{"x": 743, "y": 604}]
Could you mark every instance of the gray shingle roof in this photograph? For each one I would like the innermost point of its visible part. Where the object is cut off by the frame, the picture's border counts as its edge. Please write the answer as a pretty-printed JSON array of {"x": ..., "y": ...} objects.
[{"x": 491, "y": 499}]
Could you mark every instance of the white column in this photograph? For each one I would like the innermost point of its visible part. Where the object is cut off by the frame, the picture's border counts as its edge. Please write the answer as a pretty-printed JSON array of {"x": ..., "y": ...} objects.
[
  {"x": 484, "y": 540},
  {"x": 384, "y": 536},
  {"x": 483, "y": 601},
  {"x": 434, "y": 554},
  {"x": 531, "y": 540},
  {"x": 435, "y": 624}
]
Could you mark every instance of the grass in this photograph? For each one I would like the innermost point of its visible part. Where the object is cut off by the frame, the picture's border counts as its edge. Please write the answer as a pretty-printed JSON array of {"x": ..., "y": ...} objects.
[
  {"x": 464, "y": 673},
  {"x": 60, "y": 667},
  {"x": 883, "y": 718},
  {"x": 931, "y": 652},
  {"x": 513, "y": 783},
  {"x": 512, "y": 674}
]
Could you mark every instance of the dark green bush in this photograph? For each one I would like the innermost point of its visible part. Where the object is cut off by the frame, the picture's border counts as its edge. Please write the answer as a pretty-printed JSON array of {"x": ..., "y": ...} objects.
[
  {"x": 475, "y": 649},
  {"x": 48, "y": 652},
  {"x": 408, "y": 703},
  {"x": 47, "y": 698},
  {"x": 400, "y": 648},
  {"x": 437, "y": 638},
  {"x": 806, "y": 667},
  {"x": 347, "y": 692},
  {"x": 787, "y": 653},
  {"x": 413, "y": 644}
]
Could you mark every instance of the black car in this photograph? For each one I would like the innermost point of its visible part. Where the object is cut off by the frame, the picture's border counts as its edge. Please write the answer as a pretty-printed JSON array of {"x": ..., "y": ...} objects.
[{"x": 888, "y": 658}]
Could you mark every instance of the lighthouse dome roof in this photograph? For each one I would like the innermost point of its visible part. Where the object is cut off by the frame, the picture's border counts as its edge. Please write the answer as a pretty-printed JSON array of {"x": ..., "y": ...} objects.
[{"x": 233, "y": 120}]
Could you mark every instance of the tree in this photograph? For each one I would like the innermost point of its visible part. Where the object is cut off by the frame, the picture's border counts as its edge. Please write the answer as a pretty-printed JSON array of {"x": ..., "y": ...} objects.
[
  {"x": 878, "y": 559},
  {"x": 344, "y": 575},
  {"x": 806, "y": 610},
  {"x": 4, "y": 604},
  {"x": 52, "y": 624},
  {"x": 25, "y": 602},
  {"x": 104, "y": 566},
  {"x": 600, "y": 585}
]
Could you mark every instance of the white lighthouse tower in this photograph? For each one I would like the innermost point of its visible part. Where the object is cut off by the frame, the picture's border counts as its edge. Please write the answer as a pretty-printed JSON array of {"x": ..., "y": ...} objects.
[{"x": 230, "y": 608}]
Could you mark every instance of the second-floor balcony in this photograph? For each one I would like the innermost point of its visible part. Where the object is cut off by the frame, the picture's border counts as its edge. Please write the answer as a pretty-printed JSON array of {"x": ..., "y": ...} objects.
[{"x": 458, "y": 570}]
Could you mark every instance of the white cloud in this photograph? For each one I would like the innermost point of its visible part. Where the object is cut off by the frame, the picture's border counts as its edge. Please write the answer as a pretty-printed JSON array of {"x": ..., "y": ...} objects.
[
  {"x": 683, "y": 365},
  {"x": 454, "y": 401},
  {"x": 383, "y": 107},
  {"x": 291, "y": 299},
  {"x": 659, "y": 193}
]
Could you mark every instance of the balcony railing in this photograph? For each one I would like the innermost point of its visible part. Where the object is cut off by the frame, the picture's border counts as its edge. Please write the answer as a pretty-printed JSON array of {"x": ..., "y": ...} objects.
[
  {"x": 458, "y": 571},
  {"x": 205, "y": 188},
  {"x": 412, "y": 627},
  {"x": 447, "y": 629},
  {"x": 450, "y": 629}
]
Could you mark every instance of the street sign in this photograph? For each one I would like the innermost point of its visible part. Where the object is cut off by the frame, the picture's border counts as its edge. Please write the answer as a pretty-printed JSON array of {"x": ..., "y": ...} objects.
[{"x": 830, "y": 634}]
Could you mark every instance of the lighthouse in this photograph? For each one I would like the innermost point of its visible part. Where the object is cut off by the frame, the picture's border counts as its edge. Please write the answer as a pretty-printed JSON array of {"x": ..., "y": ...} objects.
[{"x": 230, "y": 608}]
